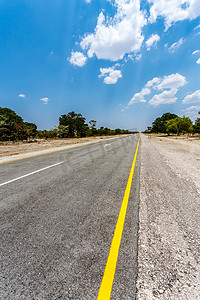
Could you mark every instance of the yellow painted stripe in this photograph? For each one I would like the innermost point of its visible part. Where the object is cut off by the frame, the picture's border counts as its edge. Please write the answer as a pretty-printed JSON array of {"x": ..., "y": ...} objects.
[{"x": 109, "y": 273}]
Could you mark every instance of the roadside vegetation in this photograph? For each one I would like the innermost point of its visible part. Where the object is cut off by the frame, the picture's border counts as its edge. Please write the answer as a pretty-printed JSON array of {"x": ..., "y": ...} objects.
[
  {"x": 13, "y": 128},
  {"x": 172, "y": 124}
]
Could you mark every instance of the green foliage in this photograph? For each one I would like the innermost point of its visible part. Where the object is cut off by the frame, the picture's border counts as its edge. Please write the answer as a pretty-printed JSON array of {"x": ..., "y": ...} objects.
[
  {"x": 179, "y": 125},
  {"x": 93, "y": 127},
  {"x": 160, "y": 124},
  {"x": 197, "y": 125},
  {"x": 75, "y": 123},
  {"x": 48, "y": 134},
  {"x": 63, "y": 131},
  {"x": 12, "y": 126},
  {"x": 31, "y": 129}
]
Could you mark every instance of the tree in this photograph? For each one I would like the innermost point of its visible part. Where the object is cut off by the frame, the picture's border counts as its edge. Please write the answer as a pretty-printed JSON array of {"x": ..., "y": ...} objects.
[
  {"x": 31, "y": 129},
  {"x": 63, "y": 131},
  {"x": 76, "y": 124},
  {"x": 197, "y": 125},
  {"x": 179, "y": 125},
  {"x": 160, "y": 124},
  {"x": 93, "y": 127},
  {"x": 11, "y": 125},
  {"x": 118, "y": 131}
]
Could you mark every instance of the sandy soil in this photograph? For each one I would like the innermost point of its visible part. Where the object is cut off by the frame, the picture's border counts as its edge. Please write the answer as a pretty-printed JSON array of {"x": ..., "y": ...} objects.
[
  {"x": 183, "y": 155},
  {"x": 169, "y": 220},
  {"x": 9, "y": 148}
]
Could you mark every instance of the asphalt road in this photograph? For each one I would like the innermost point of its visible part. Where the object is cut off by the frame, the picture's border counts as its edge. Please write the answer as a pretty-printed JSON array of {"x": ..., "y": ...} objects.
[{"x": 57, "y": 223}]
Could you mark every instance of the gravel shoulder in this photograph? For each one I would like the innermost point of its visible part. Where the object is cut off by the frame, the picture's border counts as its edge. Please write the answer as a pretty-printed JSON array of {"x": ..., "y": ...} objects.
[{"x": 169, "y": 221}]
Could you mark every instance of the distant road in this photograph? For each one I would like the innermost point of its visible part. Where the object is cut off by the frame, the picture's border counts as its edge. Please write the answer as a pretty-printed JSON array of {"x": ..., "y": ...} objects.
[{"x": 58, "y": 214}]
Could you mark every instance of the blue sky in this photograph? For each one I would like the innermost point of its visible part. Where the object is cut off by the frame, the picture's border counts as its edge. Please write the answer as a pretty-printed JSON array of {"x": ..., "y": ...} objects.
[{"x": 120, "y": 62}]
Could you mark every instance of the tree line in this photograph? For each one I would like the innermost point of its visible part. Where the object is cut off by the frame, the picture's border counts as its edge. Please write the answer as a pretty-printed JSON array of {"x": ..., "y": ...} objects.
[
  {"x": 172, "y": 124},
  {"x": 13, "y": 127}
]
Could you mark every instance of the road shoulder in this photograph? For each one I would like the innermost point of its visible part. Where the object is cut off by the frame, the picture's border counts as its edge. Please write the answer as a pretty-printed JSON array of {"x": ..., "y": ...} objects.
[{"x": 168, "y": 229}]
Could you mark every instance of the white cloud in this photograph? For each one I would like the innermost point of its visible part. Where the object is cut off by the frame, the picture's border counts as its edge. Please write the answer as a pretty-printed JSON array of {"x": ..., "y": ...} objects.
[
  {"x": 139, "y": 97},
  {"x": 153, "y": 82},
  {"x": 117, "y": 36},
  {"x": 170, "y": 84},
  {"x": 195, "y": 52},
  {"x": 77, "y": 59},
  {"x": 138, "y": 57},
  {"x": 197, "y": 27},
  {"x": 110, "y": 75},
  {"x": 175, "y": 46},
  {"x": 192, "y": 112},
  {"x": 166, "y": 97},
  {"x": 22, "y": 96},
  {"x": 174, "y": 10},
  {"x": 134, "y": 57},
  {"x": 45, "y": 100},
  {"x": 172, "y": 81},
  {"x": 192, "y": 98},
  {"x": 152, "y": 41},
  {"x": 198, "y": 61},
  {"x": 88, "y": 1}
]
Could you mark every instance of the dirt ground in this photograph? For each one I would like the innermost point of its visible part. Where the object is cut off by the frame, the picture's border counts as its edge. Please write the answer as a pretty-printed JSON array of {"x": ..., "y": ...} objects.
[
  {"x": 10, "y": 148},
  {"x": 169, "y": 221},
  {"x": 182, "y": 154}
]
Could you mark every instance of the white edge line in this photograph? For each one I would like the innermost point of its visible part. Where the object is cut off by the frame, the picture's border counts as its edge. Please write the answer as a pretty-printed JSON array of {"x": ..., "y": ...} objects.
[{"x": 31, "y": 173}]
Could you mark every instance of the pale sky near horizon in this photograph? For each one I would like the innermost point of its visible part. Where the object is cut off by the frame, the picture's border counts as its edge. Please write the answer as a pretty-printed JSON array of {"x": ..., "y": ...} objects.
[{"x": 120, "y": 62}]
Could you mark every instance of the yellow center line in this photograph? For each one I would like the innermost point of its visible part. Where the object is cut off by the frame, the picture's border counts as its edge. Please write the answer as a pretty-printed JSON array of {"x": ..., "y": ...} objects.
[{"x": 109, "y": 273}]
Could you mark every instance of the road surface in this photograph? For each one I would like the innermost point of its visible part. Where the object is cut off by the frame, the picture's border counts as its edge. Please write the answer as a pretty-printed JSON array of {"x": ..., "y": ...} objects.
[{"x": 58, "y": 214}]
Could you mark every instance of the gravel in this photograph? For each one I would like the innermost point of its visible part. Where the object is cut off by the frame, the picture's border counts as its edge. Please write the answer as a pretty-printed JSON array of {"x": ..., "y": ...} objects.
[{"x": 169, "y": 226}]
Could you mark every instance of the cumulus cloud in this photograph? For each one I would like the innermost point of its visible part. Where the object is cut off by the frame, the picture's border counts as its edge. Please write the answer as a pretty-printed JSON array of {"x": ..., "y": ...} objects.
[
  {"x": 152, "y": 41},
  {"x": 139, "y": 97},
  {"x": 173, "y": 11},
  {"x": 192, "y": 98},
  {"x": 77, "y": 59},
  {"x": 22, "y": 96},
  {"x": 117, "y": 36},
  {"x": 192, "y": 112},
  {"x": 172, "y": 81},
  {"x": 166, "y": 97},
  {"x": 198, "y": 61},
  {"x": 195, "y": 52},
  {"x": 110, "y": 75},
  {"x": 45, "y": 100},
  {"x": 175, "y": 46},
  {"x": 153, "y": 82},
  {"x": 170, "y": 84}
]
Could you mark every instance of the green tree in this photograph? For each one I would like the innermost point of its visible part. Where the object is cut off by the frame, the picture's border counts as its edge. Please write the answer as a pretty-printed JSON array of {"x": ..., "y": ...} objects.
[
  {"x": 179, "y": 125},
  {"x": 76, "y": 124},
  {"x": 31, "y": 129},
  {"x": 118, "y": 131},
  {"x": 92, "y": 127},
  {"x": 63, "y": 131},
  {"x": 11, "y": 125},
  {"x": 160, "y": 124},
  {"x": 197, "y": 125}
]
